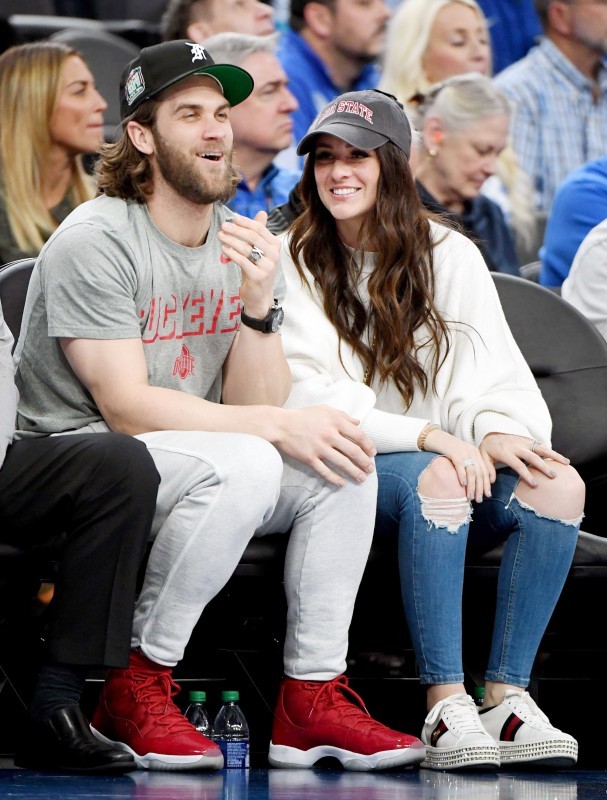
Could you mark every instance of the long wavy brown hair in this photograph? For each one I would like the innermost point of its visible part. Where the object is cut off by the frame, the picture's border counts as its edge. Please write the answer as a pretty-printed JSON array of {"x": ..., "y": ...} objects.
[{"x": 401, "y": 286}]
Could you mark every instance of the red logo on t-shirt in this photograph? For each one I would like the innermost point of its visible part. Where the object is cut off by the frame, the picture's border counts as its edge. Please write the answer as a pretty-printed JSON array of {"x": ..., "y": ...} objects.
[
  {"x": 184, "y": 364},
  {"x": 224, "y": 259}
]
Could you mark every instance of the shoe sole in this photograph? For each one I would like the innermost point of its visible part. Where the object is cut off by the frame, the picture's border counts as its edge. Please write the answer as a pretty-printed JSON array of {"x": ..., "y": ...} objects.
[
  {"x": 484, "y": 757},
  {"x": 285, "y": 757},
  {"x": 558, "y": 754},
  {"x": 161, "y": 761}
]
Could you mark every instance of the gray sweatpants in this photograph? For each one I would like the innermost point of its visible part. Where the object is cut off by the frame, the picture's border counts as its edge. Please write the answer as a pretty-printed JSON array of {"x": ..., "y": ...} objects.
[{"x": 217, "y": 490}]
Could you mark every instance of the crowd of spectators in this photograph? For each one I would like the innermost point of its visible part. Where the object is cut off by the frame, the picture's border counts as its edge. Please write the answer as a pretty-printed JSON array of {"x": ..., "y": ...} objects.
[{"x": 399, "y": 149}]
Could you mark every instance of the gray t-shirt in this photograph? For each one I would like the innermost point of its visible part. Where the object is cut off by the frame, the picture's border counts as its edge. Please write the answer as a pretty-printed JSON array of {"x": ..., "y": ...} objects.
[{"x": 109, "y": 273}]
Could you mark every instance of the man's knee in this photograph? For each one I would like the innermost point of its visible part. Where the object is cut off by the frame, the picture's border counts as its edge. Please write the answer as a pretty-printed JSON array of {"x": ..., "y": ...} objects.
[
  {"x": 259, "y": 459},
  {"x": 114, "y": 457}
]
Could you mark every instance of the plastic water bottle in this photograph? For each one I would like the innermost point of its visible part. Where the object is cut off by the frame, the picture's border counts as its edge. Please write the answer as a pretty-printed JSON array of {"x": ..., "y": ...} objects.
[
  {"x": 196, "y": 713},
  {"x": 281, "y": 14},
  {"x": 231, "y": 732}
]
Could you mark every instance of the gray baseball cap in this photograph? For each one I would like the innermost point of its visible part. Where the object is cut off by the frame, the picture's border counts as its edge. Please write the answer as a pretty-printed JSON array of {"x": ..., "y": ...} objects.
[{"x": 364, "y": 119}]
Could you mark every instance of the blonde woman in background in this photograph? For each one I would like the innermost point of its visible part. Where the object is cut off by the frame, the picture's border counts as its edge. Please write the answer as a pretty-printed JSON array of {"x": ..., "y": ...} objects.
[
  {"x": 51, "y": 115},
  {"x": 432, "y": 40}
]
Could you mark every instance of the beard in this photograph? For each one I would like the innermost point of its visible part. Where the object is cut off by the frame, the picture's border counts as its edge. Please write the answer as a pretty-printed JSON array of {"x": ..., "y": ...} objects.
[
  {"x": 176, "y": 169},
  {"x": 365, "y": 53},
  {"x": 586, "y": 36}
]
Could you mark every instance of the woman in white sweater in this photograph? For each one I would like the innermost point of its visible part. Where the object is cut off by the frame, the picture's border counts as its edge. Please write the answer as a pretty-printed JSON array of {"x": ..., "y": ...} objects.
[{"x": 395, "y": 319}]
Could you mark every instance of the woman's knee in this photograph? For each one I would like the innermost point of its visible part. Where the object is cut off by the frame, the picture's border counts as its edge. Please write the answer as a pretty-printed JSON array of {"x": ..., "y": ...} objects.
[
  {"x": 439, "y": 480},
  {"x": 560, "y": 497},
  {"x": 443, "y": 499}
]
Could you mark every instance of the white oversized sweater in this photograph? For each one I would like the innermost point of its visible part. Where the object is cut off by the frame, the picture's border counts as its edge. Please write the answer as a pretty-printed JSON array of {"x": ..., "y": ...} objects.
[{"x": 484, "y": 385}]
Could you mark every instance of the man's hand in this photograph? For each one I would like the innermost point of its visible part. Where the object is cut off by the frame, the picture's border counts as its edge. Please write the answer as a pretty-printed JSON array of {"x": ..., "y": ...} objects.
[
  {"x": 238, "y": 239},
  {"x": 326, "y": 440}
]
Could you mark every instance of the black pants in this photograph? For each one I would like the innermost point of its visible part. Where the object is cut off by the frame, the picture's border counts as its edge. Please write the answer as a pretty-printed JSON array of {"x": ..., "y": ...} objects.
[{"x": 93, "y": 497}]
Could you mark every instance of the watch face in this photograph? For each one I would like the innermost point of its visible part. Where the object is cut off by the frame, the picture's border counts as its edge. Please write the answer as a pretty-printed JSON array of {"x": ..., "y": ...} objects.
[{"x": 277, "y": 319}]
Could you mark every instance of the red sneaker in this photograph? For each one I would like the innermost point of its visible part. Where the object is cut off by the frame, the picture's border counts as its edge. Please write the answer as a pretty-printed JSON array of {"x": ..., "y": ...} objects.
[
  {"x": 316, "y": 719},
  {"x": 135, "y": 713}
]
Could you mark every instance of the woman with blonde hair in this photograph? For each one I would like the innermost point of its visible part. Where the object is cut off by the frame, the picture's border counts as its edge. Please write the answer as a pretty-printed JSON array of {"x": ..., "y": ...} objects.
[
  {"x": 430, "y": 41},
  {"x": 51, "y": 115}
]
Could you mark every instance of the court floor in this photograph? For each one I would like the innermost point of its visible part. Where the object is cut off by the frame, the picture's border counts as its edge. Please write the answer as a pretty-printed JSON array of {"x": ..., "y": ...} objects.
[{"x": 317, "y": 784}]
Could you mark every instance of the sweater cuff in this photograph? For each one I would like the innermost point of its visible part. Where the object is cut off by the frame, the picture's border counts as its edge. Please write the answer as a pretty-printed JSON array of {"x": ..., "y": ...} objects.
[
  {"x": 492, "y": 422},
  {"x": 392, "y": 433}
]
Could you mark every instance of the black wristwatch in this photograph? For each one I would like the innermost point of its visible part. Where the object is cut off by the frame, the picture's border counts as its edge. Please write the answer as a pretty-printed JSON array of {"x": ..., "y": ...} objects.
[{"x": 269, "y": 324}]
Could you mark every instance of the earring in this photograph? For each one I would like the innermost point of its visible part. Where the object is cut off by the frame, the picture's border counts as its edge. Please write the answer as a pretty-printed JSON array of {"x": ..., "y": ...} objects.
[{"x": 432, "y": 152}]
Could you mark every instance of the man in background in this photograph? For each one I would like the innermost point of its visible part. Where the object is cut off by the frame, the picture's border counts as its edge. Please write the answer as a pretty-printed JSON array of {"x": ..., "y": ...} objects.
[
  {"x": 196, "y": 20},
  {"x": 559, "y": 91},
  {"x": 331, "y": 47},
  {"x": 262, "y": 124}
]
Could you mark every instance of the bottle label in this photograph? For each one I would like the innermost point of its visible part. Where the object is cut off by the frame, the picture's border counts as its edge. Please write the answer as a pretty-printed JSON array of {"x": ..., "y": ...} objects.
[{"x": 235, "y": 754}]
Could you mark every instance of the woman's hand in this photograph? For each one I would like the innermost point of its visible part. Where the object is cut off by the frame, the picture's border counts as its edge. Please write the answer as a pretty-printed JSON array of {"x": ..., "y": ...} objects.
[
  {"x": 471, "y": 468},
  {"x": 519, "y": 453}
]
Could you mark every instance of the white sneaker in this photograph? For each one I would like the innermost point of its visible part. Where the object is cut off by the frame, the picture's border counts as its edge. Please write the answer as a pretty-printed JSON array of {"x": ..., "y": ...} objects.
[
  {"x": 455, "y": 738},
  {"x": 524, "y": 733}
]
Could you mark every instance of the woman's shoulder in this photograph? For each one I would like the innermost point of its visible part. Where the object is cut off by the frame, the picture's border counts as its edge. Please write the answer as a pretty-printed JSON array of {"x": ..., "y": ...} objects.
[
  {"x": 449, "y": 242},
  {"x": 455, "y": 257}
]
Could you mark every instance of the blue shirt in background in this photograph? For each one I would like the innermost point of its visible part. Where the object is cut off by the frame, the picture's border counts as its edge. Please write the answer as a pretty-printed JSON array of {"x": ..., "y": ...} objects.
[
  {"x": 310, "y": 82},
  {"x": 272, "y": 190},
  {"x": 579, "y": 205},
  {"x": 513, "y": 26},
  {"x": 558, "y": 122}
]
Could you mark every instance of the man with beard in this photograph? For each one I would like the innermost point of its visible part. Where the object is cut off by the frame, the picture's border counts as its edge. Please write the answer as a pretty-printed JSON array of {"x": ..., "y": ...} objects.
[
  {"x": 147, "y": 307},
  {"x": 330, "y": 47},
  {"x": 559, "y": 91}
]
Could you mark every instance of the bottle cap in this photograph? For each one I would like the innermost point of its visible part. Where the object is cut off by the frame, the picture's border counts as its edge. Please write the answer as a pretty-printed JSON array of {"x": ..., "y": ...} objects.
[
  {"x": 230, "y": 697},
  {"x": 198, "y": 697},
  {"x": 479, "y": 692}
]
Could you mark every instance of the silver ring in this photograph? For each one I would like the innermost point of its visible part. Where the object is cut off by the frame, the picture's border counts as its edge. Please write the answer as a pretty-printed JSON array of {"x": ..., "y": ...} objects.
[
  {"x": 468, "y": 462},
  {"x": 255, "y": 254},
  {"x": 534, "y": 444}
]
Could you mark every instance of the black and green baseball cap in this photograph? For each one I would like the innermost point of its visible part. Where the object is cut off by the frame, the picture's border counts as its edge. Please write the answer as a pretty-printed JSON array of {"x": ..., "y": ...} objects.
[{"x": 161, "y": 65}]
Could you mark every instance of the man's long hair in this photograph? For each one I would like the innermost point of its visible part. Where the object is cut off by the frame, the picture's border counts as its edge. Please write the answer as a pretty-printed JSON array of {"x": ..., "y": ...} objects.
[
  {"x": 401, "y": 287},
  {"x": 122, "y": 170}
]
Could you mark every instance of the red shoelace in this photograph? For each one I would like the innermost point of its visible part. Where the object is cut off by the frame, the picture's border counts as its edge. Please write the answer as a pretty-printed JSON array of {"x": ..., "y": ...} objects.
[
  {"x": 155, "y": 691},
  {"x": 338, "y": 694}
]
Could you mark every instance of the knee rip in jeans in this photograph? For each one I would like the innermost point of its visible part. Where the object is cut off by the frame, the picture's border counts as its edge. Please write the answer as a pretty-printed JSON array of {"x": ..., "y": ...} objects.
[
  {"x": 574, "y": 523},
  {"x": 449, "y": 513}
]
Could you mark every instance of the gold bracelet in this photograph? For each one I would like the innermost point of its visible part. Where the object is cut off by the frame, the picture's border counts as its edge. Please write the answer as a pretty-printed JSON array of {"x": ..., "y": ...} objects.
[{"x": 421, "y": 439}]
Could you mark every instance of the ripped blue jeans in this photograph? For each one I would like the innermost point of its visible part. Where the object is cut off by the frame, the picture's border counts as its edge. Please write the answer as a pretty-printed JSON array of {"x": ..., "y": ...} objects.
[{"x": 537, "y": 556}]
